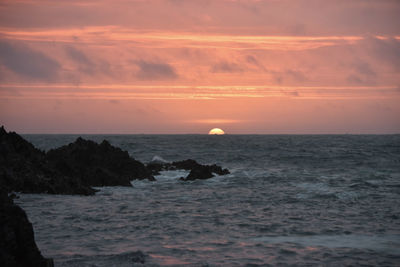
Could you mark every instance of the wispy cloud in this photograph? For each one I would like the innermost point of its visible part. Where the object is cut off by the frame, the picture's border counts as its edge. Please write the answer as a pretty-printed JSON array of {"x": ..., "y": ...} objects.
[
  {"x": 110, "y": 35},
  {"x": 193, "y": 92},
  {"x": 215, "y": 121}
]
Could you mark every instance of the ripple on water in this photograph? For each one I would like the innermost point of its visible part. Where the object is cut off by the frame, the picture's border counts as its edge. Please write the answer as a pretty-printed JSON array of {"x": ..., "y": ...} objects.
[{"x": 304, "y": 200}]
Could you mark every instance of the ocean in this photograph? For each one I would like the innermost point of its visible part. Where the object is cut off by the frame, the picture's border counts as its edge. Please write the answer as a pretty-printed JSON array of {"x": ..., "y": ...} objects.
[{"x": 305, "y": 200}]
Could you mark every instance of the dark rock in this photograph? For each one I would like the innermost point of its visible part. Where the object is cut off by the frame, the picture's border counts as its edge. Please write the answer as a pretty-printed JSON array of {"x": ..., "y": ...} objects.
[
  {"x": 19, "y": 160},
  {"x": 23, "y": 168},
  {"x": 191, "y": 164},
  {"x": 199, "y": 173},
  {"x": 13, "y": 196},
  {"x": 70, "y": 169},
  {"x": 218, "y": 170},
  {"x": 138, "y": 257},
  {"x": 76, "y": 167},
  {"x": 97, "y": 164},
  {"x": 188, "y": 164},
  {"x": 197, "y": 170},
  {"x": 155, "y": 168},
  {"x": 17, "y": 244}
]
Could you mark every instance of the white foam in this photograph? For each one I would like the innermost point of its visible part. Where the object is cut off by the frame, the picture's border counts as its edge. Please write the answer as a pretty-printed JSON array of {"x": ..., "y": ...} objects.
[
  {"x": 158, "y": 159},
  {"x": 171, "y": 175}
]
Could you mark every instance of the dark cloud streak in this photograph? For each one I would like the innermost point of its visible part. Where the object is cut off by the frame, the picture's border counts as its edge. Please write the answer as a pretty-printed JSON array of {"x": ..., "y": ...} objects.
[
  {"x": 387, "y": 50},
  {"x": 155, "y": 71},
  {"x": 226, "y": 67},
  {"x": 27, "y": 62},
  {"x": 86, "y": 65},
  {"x": 78, "y": 56}
]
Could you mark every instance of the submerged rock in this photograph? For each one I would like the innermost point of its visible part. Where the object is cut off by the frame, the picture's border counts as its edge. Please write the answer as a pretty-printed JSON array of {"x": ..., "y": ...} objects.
[
  {"x": 17, "y": 243},
  {"x": 193, "y": 165},
  {"x": 199, "y": 173},
  {"x": 197, "y": 170}
]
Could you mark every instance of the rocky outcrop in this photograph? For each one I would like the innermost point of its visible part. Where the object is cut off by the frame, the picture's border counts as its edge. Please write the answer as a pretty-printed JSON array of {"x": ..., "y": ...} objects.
[
  {"x": 70, "y": 169},
  {"x": 17, "y": 244},
  {"x": 23, "y": 168},
  {"x": 197, "y": 170},
  {"x": 97, "y": 164},
  {"x": 76, "y": 167}
]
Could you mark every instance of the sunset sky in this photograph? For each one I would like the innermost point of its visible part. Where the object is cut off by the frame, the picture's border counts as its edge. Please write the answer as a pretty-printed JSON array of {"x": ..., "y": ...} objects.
[{"x": 187, "y": 66}]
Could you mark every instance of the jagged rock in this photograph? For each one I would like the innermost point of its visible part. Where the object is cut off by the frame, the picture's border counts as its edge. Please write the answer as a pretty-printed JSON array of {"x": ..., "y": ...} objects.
[
  {"x": 19, "y": 160},
  {"x": 97, "y": 164},
  {"x": 17, "y": 243},
  {"x": 74, "y": 168},
  {"x": 23, "y": 168},
  {"x": 70, "y": 169}
]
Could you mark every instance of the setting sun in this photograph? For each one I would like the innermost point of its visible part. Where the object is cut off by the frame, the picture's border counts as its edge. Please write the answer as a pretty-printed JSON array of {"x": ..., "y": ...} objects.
[
  {"x": 216, "y": 131},
  {"x": 107, "y": 103}
]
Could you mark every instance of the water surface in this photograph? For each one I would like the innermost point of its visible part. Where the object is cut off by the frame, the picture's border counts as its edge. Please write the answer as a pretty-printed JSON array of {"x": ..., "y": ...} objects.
[{"x": 304, "y": 200}]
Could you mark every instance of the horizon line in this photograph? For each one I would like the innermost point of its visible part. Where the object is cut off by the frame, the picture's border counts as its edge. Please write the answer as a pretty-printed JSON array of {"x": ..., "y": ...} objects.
[{"x": 25, "y": 133}]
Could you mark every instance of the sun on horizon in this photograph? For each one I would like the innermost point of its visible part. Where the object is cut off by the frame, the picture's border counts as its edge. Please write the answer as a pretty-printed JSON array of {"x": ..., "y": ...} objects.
[
  {"x": 173, "y": 67},
  {"x": 216, "y": 131}
]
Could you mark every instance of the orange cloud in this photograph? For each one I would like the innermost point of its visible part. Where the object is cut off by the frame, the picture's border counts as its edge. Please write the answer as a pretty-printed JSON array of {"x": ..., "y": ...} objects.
[
  {"x": 111, "y": 35},
  {"x": 186, "y": 65},
  {"x": 192, "y": 92}
]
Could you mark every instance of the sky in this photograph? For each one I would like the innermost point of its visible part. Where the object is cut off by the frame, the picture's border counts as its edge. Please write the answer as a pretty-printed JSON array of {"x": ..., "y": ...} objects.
[{"x": 187, "y": 66}]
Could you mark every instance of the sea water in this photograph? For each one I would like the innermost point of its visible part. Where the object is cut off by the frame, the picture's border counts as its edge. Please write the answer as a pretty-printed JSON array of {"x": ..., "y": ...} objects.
[{"x": 307, "y": 200}]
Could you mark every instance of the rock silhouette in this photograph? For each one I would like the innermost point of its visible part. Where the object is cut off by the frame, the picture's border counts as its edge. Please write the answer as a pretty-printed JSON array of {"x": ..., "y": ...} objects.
[
  {"x": 17, "y": 244},
  {"x": 70, "y": 169},
  {"x": 97, "y": 164},
  {"x": 77, "y": 167},
  {"x": 199, "y": 173},
  {"x": 23, "y": 168},
  {"x": 197, "y": 170}
]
